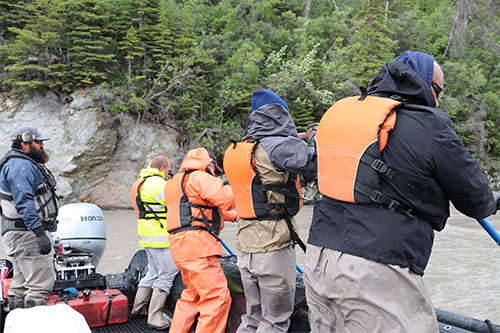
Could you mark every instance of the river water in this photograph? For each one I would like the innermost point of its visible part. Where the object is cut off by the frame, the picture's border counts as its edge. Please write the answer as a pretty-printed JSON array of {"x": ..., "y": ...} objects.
[{"x": 462, "y": 275}]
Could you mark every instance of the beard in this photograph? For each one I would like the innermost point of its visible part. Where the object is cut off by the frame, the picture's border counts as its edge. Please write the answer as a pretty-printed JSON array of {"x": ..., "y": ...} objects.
[{"x": 40, "y": 155}]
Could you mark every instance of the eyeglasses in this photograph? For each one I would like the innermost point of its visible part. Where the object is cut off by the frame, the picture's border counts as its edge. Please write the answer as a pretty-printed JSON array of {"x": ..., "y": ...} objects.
[
  {"x": 38, "y": 141},
  {"x": 439, "y": 91}
]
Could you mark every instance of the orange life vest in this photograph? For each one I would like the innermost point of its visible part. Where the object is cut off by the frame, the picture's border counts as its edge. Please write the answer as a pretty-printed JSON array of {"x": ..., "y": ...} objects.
[
  {"x": 350, "y": 138},
  {"x": 248, "y": 190},
  {"x": 351, "y": 131},
  {"x": 182, "y": 218}
]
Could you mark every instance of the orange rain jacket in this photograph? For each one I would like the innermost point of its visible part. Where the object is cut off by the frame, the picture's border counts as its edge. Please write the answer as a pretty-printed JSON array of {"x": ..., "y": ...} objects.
[{"x": 204, "y": 189}]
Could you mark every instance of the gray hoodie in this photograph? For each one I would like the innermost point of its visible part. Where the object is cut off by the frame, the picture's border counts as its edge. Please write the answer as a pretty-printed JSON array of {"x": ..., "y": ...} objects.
[{"x": 277, "y": 134}]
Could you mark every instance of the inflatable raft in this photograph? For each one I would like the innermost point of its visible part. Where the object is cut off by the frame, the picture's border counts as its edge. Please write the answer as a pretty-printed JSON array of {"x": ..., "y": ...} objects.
[
  {"x": 448, "y": 322},
  {"x": 106, "y": 300}
]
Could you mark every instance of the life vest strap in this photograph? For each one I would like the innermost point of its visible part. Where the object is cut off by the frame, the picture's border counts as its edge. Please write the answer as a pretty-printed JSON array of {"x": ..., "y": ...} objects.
[
  {"x": 212, "y": 226},
  {"x": 385, "y": 201},
  {"x": 44, "y": 204},
  {"x": 18, "y": 223},
  {"x": 270, "y": 205},
  {"x": 392, "y": 205},
  {"x": 9, "y": 224},
  {"x": 204, "y": 218},
  {"x": 190, "y": 204},
  {"x": 144, "y": 207},
  {"x": 293, "y": 234},
  {"x": 189, "y": 227},
  {"x": 288, "y": 189},
  {"x": 198, "y": 219},
  {"x": 265, "y": 217},
  {"x": 195, "y": 227},
  {"x": 385, "y": 170},
  {"x": 281, "y": 188}
]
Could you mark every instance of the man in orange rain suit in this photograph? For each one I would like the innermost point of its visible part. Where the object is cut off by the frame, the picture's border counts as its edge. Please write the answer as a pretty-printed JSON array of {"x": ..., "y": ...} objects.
[{"x": 197, "y": 205}]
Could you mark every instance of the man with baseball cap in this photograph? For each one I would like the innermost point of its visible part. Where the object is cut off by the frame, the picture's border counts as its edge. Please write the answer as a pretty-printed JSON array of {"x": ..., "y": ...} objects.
[{"x": 29, "y": 207}]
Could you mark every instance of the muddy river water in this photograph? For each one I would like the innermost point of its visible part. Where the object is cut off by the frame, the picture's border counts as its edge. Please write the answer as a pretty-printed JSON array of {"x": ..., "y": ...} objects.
[{"x": 462, "y": 275}]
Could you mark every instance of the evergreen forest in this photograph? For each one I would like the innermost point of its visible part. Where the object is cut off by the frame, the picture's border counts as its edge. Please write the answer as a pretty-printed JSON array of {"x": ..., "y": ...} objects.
[{"x": 197, "y": 62}]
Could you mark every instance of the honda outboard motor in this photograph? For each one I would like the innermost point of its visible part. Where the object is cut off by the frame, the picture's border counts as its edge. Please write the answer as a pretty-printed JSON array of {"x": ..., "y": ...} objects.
[{"x": 79, "y": 241}]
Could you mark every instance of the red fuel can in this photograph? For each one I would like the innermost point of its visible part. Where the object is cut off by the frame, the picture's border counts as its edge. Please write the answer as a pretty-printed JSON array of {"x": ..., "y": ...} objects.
[{"x": 99, "y": 307}]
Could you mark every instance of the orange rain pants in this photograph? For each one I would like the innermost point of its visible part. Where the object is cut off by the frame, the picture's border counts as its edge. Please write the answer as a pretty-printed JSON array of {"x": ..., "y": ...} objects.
[{"x": 206, "y": 292}]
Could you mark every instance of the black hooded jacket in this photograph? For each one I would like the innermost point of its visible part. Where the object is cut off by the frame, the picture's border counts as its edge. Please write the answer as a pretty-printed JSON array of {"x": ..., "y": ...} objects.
[{"x": 424, "y": 148}]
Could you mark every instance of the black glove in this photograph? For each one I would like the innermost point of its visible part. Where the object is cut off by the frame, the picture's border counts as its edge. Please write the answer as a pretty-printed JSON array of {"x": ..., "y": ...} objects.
[{"x": 44, "y": 245}]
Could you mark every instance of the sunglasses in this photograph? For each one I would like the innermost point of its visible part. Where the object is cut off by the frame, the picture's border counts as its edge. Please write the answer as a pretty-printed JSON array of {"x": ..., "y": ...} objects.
[
  {"x": 38, "y": 141},
  {"x": 439, "y": 91}
]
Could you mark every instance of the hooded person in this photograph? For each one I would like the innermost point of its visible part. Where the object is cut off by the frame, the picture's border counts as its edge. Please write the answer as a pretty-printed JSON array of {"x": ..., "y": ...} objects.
[
  {"x": 197, "y": 206},
  {"x": 389, "y": 163},
  {"x": 263, "y": 172},
  {"x": 147, "y": 195}
]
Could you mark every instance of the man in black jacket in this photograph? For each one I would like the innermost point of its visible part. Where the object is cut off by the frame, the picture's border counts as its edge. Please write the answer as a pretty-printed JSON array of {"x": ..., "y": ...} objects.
[{"x": 373, "y": 229}]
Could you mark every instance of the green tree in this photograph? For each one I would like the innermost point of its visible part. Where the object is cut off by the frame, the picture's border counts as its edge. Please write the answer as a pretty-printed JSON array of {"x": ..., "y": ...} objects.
[
  {"x": 133, "y": 49},
  {"x": 13, "y": 14},
  {"x": 36, "y": 60},
  {"x": 294, "y": 81},
  {"x": 198, "y": 62},
  {"x": 372, "y": 45},
  {"x": 90, "y": 47}
]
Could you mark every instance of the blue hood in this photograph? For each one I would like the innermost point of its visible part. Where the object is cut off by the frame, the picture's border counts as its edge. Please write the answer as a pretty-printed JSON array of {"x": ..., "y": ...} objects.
[
  {"x": 421, "y": 62},
  {"x": 266, "y": 96}
]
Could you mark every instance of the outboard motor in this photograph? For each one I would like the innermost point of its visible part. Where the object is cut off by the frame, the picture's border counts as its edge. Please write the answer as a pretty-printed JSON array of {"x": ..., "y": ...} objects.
[{"x": 79, "y": 241}]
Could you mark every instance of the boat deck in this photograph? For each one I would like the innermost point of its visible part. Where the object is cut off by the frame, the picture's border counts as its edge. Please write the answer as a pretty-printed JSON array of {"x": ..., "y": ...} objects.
[
  {"x": 135, "y": 324},
  {"x": 139, "y": 325}
]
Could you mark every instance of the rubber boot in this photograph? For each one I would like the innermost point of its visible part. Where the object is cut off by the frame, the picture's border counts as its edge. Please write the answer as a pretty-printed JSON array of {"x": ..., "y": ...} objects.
[
  {"x": 141, "y": 302},
  {"x": 157, "y": 319}
]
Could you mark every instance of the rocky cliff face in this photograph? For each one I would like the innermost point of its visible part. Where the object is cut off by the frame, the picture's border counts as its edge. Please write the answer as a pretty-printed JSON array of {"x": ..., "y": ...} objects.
[{"x": 94, "y": 157}]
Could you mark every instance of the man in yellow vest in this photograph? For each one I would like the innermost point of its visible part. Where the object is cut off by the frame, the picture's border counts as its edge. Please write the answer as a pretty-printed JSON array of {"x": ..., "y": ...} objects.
[{"x": 147, "y": 194}]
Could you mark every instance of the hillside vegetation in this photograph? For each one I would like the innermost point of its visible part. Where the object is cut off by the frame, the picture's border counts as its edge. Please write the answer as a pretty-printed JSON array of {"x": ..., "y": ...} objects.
[{"x": 197, "y": 62}]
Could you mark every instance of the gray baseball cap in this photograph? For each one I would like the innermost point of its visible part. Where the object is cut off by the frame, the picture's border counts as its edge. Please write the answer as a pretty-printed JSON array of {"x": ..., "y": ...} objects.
[{"x": 27, "y": 133}]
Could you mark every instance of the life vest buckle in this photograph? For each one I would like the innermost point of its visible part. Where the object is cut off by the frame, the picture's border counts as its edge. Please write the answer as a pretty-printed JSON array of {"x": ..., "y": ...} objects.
[
  {"x": 410, "y": 214},
  {"x": 393, "y": 205},
  {"x": 390, "y": 173},
  {"x": 379, "y": 166},
  {"x": 376, "y": 196}
]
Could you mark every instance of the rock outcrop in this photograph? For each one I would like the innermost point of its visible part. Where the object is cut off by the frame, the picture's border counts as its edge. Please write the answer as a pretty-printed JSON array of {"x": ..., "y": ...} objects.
[{"x": 95, "y": 157}]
